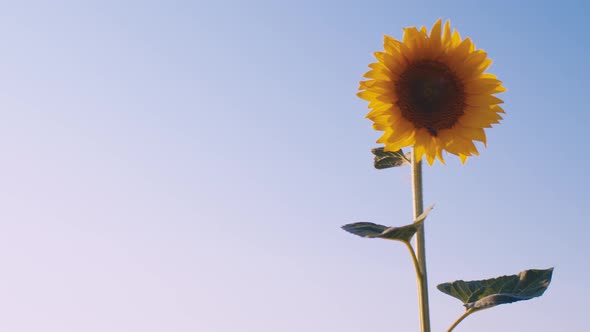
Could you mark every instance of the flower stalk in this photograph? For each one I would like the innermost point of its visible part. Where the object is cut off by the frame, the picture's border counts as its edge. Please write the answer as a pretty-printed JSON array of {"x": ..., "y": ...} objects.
[{"x": 421, "y": 275}]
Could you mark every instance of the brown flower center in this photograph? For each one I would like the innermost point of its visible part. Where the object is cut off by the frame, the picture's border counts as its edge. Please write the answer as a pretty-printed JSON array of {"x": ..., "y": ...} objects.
[{"x": 430, "y": 95}]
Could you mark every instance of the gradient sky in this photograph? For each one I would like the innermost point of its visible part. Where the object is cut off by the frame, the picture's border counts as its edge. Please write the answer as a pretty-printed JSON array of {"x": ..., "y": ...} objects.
[{"x": 186, "y": 166}]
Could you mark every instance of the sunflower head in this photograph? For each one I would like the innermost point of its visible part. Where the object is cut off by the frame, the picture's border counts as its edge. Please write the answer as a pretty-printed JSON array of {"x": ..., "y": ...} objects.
[{"x": 430, "y": 91}]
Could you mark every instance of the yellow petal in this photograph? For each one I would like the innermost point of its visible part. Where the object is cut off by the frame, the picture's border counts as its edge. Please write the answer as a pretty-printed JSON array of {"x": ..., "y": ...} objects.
[
  {"x": 482, "y": 100},
  {"x": 479, "y": 119},
  {"x": 386, "y": 135},
  {"x": 380, "y": 126},
  {"x": 499, "y": 89},
  {"x": 394, "y": 63},
  {"x": 447, "y": 39},
  {"x": 463, "y": 49},
  {"x": 456, "y": 39},
  {"x": 481, "y": 68},
  {"x": 439, "y": 154},
  {"x": 383, "y": 109},
  {"x": 367, "y": 95},
  {"x": 462, "y": 146},
  {"x": 498, "y": 109},
  {"x": 402, "y": 141},
  {"x": 430, "y": 150},
  {"x": 477, "y": 134},
  {"x": 487, "y": 75},
  {"x": 420, "y": 145},
  {"x": 376, "y": 103},
  {"x": 388, "y": 119},
  {"x": 436, "y": 32},
  {"x": 391, "y": 45},
  {"x": 410, "y": 34},
  {"x": 377, "y": 86},
  {"x": 388, "y": 98},
  {"x": 394, "y": 136},
  {"x": 473, "y": 65},
  {"x": 365, "y": 84},
  {"x": 482, "y": 85},
  {"x": 379, "y": 66},
  {"x": 463, "y": 158},
  {"x": 418, "y": 152},
  {"x": 378, "y": 75},
  {"x": 385, "y": 119}
]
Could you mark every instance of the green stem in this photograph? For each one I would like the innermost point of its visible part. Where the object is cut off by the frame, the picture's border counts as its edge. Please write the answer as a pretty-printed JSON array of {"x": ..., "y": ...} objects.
[
  {"x": 414, "y": 260},
  {"x": 467, "y": 313},
  {"x": 420, "y": 246}
]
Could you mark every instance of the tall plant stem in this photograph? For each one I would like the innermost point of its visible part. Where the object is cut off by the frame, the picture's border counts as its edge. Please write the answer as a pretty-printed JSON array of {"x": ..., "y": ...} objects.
[{"x": 420, "y": 246}]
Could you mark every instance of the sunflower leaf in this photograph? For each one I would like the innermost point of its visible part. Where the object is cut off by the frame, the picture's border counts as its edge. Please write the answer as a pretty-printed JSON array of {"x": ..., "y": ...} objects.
[
  {"x": 387, "y": 159},
  {"x": 365, "y": 229},
  {"x": 483, "y": 294},
  {"x": 371, "y": 230}
]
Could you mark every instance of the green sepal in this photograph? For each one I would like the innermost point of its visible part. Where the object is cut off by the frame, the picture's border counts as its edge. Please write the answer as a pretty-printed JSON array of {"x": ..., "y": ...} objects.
[
  {"x": 388, "y": 159},
  {"x": 372, "y": 230},
  {"x": 483, "y": 294}
]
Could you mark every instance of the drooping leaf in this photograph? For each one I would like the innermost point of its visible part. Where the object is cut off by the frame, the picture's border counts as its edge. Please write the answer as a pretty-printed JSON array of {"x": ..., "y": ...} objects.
[
  {"x": 372, "y": 230},
  {"x": 365, "y": 229},
  {"x": 388, "y": 159},
  {"x": 482, "y": 294}
]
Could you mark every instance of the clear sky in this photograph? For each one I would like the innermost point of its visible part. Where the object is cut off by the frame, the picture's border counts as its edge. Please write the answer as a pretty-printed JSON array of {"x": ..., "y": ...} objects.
[{"x": 186, "y": 166}]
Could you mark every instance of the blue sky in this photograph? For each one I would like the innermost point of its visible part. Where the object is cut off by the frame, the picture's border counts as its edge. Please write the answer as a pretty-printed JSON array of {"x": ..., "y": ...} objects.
[{"x": 187, "y": 165}]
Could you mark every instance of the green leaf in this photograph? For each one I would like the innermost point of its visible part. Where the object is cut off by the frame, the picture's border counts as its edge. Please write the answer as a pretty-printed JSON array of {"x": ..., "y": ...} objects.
[
  {"x": 424, "y": 214},
  {"x": 371, "y": 230},
  {"x": 483, "y": 294},
  {"x": 365, "y": 229},
  {"x": 388, "y": 159}
]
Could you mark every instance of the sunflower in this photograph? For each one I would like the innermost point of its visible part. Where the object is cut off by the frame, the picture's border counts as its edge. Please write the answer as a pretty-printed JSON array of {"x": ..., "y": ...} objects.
[{"x": 431, "y": 92}]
